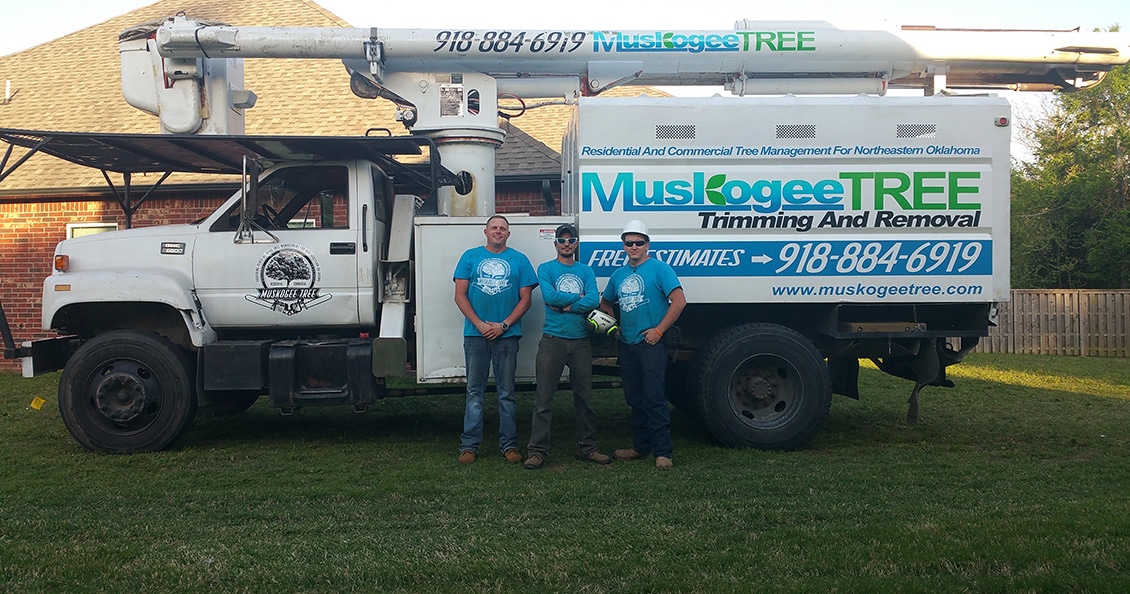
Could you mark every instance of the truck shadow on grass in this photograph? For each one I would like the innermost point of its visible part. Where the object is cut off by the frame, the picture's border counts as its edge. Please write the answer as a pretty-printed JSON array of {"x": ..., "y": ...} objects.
[
  {"x": 975, "y": 414},
  {"x": 420, "y": 420}
]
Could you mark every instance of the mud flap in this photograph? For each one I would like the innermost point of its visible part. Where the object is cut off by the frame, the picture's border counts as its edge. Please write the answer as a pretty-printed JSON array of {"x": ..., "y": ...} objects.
[{"x": 845, "y": 376}]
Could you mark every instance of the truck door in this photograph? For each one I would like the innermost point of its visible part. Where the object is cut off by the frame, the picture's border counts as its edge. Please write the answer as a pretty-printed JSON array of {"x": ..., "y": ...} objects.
[{"x": 308, "y": 277}]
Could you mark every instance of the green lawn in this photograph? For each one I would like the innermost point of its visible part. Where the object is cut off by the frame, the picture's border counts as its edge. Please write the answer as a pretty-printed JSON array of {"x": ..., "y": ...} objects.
[{"x": 1016, "y": 480}]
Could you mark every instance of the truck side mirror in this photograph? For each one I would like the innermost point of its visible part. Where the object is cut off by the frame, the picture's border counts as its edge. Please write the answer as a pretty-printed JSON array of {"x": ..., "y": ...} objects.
[{"x": 249, "y": 205}]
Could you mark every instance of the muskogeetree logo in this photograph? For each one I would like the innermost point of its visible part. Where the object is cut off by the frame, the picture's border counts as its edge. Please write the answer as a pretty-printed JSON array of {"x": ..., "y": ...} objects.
[
  {"x": 696, "y": 43},
  {"x": 857, "y": 190}
]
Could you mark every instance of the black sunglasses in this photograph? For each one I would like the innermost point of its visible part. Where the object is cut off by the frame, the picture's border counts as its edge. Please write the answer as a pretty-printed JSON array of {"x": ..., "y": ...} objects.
[
  {"x": 566, "y": 240},
  {"x": 635, "y": 243}
]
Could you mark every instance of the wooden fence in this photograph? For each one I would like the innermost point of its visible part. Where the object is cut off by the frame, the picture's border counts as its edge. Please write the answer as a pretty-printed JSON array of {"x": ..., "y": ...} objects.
[{"x": 1062, "y": 322}]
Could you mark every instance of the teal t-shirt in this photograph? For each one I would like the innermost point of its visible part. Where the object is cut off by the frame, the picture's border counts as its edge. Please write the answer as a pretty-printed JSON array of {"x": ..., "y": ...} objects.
[
  {"x": 572, "y": 285},
  {"x": 642, "y": 294},
  {"x": 495, "y": 280}
]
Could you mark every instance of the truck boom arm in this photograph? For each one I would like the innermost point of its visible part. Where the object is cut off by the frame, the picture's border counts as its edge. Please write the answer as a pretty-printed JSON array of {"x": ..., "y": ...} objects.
[{"x": 906, "y": 57}]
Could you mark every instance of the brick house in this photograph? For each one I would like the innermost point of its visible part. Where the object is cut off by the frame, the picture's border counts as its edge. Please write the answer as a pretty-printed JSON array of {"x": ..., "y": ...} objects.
[{"x": 73, "y": 84}]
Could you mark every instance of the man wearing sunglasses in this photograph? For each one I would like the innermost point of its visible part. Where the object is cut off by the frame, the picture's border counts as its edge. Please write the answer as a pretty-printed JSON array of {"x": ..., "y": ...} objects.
[
  {"x": 494, "y": 284},
  {"x": 569, "y": 290},
  {"x": 651, "y": 299}
]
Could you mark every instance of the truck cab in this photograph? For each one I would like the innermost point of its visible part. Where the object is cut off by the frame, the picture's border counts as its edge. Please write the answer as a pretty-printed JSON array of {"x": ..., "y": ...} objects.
[
  {"x": 282, "y": 290},
  {"x": 328, "y": 226}
]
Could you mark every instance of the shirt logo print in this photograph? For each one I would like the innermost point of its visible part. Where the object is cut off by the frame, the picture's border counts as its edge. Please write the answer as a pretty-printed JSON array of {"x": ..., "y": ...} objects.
[
  {"x": 631, "y": 292},
  {"x": 493, "y": 276},
  {"x": 569, "y": 283}
]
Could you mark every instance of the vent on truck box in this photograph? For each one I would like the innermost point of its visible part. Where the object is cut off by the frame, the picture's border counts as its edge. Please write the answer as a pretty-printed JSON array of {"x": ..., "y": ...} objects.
[
  {"x": 916, "y": 130},
  {"x": 674, "y": 131},
  {"x": 796, "y": 130}
]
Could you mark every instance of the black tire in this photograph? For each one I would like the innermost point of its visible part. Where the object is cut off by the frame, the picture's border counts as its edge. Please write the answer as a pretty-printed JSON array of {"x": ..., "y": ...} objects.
[
  {"x": 762, "y": 386},
  {"x": 127, "y": 391}
]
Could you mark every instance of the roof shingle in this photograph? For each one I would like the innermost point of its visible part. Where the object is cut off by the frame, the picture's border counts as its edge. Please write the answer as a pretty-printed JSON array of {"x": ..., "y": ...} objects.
[{"x": 73, "y": 83}]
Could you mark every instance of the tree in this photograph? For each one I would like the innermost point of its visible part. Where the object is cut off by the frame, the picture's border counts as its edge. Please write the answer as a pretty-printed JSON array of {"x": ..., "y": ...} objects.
[
  {"x": 288, "y": 266},
  {"x": 1071, "y": 205}
]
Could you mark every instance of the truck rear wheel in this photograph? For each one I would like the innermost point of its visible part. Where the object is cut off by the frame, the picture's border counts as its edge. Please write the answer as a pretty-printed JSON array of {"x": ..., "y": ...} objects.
[
  {"x": 127, "y": 391},
  {"x": 762, "y": 386}
]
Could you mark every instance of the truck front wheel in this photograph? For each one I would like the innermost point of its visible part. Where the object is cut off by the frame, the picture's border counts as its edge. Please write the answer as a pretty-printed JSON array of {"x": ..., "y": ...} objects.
[
  {"x": 762, "y": 386},
  {"x": 127, "y": 391}
]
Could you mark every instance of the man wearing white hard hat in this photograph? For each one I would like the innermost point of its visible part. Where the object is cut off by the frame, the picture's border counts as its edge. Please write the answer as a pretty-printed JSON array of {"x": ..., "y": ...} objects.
[
  {"x": 651, "y": 299},
  {"x": 569, "y": 290}
]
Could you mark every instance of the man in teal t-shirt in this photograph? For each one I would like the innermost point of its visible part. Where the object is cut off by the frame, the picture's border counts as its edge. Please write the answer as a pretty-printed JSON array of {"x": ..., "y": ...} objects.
[
  {"x": 651, "y": 299},
  {"x": 493, "y": 287},
  {"x": 569, "y": 290}
]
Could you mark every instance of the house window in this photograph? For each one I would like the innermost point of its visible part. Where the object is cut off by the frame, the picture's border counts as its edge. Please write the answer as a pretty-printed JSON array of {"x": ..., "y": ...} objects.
[{"x": 80, "y": 229}]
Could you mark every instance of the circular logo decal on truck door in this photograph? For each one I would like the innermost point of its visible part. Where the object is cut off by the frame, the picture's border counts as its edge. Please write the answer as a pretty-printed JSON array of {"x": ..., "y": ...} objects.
[{"x": 289, "y": 277}]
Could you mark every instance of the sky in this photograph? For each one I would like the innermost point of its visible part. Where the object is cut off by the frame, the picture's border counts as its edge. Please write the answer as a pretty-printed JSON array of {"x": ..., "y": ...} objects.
[{"x": 28, "y": 23}]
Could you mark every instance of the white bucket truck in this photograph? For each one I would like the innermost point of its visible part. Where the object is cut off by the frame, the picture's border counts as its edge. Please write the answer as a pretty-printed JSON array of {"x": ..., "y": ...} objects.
[{"x": 808, "y": 231}]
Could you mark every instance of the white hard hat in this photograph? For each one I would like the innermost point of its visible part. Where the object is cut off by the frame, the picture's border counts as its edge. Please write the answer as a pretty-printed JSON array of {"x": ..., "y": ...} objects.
[
  {"x": 637, "y": 226},
  {"x": 601, "y": 323}
]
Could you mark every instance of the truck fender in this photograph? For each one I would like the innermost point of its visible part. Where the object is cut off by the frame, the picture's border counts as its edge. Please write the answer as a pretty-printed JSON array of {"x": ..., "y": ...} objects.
[{"x": 61, "y": 292}]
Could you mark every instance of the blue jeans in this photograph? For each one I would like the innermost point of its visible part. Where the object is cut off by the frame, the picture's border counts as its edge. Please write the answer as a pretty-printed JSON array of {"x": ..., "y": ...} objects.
[
  {"x": 481, "y": 355},
  {"x": 642, "y": 369}
]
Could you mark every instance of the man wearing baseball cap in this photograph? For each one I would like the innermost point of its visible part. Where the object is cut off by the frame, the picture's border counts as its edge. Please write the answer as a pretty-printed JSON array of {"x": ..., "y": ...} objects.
[{"x": 569, "y": 290}]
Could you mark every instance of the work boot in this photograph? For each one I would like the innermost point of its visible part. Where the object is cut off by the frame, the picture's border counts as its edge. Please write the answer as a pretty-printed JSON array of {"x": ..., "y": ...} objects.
[
  {"x": 627, "y": 454},
  {"x": 534, "y": 462},
  {"x": 663, "y": 463},
  {"x": 466, "y": 457},
  {"x": 512, "y": 455},
  {"x": 594, "y": 456}
]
